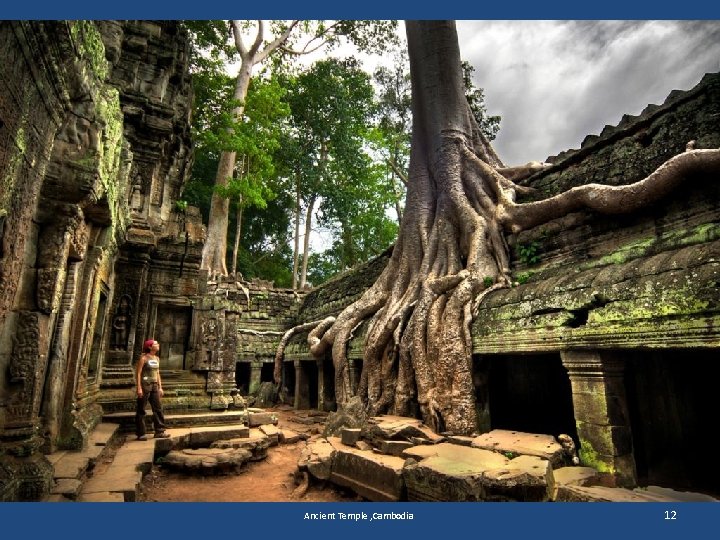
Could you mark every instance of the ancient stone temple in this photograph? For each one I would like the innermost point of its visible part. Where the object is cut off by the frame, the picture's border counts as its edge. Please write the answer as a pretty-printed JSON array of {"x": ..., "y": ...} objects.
[
  {"x": 609, "y": 334},
  {"x": 94, "y": 255}
]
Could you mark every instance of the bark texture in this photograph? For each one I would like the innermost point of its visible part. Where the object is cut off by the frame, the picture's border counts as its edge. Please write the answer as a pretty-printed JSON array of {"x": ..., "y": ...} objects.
[{"x": 451, "y": 250}]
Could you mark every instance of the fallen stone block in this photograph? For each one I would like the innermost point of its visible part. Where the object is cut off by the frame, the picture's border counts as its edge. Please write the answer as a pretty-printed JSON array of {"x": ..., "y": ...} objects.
[
  {"x": 514, "y": 443},
  {"x": 376, "y": 477},
  {"x": 272, "y": 433},
  {"x": 448, "y": 472},
  {"x": 579, "y": 476},
  {"x": 68, "y": 487},
  {"x": 207, "y": 460},
  {"x": 394, "y": 448},
  {"x": 398, "y": 428},
  {"x": 461, "y": 440},
  {"x": 350, "y": 436},
  {"x": 523, "y": 479},
  {"x": 288, "y": 436},
  {"x": 317, "y": 457},
  {"x": 256, "y": 419}
]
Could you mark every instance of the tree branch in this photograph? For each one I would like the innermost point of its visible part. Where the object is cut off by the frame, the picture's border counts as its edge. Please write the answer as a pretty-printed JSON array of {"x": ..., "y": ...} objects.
[
  {"x": 278, "y": 42},
  {"x": 614, "y": 199},
  {"x": 239, "y": 45},
  {"x": 400, "y": 174}
]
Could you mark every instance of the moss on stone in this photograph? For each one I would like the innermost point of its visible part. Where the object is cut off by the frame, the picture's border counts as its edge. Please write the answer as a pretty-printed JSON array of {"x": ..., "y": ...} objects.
[
  {"x": 89, "y": 44},
  {"x": 590, "y": 458}
]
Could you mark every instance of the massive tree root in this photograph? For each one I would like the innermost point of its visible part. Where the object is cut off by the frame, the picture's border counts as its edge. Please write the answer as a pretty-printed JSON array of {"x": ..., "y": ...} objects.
[{"x": 451, "y": 251}]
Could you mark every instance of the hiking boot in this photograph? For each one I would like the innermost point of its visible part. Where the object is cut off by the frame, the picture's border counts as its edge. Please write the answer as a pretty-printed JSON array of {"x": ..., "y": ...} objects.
[
  {"x": 142, "y": 438},
  {"x": 162, "y": 435}
]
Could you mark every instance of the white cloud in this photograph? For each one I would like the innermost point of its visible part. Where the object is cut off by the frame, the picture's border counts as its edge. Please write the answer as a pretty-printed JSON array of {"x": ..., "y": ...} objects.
[{"x": 554, "y": 82}]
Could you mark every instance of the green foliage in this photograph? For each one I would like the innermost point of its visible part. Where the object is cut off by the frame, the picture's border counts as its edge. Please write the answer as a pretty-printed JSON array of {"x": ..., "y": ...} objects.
[
  {"x": 488, "y": 281},
  {"x": 529, "y": 253},
  {"x": 181, "y": 206},
  {"x": 522, "y": 278}
]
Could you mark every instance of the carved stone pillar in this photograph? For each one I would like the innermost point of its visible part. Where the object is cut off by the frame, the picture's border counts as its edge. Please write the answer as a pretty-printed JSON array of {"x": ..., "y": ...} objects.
[
  {"x": 255, "y": 376},
  {"x": 321, "y": 385},
  {"x": 601, "y": 413},
  {"x": 354, "y": 370}
]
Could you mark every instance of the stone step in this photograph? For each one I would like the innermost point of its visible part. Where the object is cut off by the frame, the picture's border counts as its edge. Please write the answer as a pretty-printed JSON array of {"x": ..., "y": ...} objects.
[
  {"x": 70, "y": 468},
  {"x": 123, "y": 476},
  {"x": 126, "y": 420}
]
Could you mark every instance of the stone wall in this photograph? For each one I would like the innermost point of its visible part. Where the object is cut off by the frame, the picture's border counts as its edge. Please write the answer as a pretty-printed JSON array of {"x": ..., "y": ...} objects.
[{"x": 94, "y": 149}]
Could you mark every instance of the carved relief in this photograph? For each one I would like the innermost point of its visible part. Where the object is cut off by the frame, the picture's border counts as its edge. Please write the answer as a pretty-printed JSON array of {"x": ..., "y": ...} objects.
[
  {"x": 121, "y": 324},
  {"x": 24, "y": 366}
]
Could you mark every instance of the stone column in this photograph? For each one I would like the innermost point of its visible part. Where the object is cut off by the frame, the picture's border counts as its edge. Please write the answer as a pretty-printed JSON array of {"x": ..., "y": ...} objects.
[
  {"x": 321, "y": 385},
  {"x": 354, "y": 371},
  {"x": 601, "y": 413},
  {"x": 255, "y": 376}
]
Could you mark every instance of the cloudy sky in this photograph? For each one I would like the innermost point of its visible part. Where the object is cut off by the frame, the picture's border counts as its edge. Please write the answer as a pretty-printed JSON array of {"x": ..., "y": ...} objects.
[{"x": 554, "y": 82}]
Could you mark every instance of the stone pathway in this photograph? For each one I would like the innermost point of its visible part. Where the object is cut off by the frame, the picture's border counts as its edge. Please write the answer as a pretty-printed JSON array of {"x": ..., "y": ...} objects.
[{"x": 392, "y": 459}]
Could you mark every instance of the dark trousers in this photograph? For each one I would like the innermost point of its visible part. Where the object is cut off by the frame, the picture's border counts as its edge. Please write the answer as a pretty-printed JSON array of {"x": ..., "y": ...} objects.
[{"x": 151, "y": 394}]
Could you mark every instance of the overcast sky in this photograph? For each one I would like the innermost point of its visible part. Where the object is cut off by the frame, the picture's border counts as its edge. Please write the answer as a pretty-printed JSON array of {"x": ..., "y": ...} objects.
[{"x": 554, "y": 82}]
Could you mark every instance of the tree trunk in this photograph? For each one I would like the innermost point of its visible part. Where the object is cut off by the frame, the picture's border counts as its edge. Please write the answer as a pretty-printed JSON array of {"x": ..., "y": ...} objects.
[
  {"x": 238, "y": 231},
  {"x": 306, "y": 240},
  {"x": 215, "y": 249},
  {"x": 296, "y": 247}
]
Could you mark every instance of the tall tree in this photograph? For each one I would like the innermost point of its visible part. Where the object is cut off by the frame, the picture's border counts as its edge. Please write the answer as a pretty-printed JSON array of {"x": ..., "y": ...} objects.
[
  {"x": 458, "y": 207},
  {"x": 331, "y": 105},
  {"x": 284, "y": 40}
]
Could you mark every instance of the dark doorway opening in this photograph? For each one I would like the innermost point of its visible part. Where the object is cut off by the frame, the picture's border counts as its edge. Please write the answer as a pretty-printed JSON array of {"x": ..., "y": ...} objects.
[
  {"x": 266, "y": 372},
  {"x": 531, "y": 393},
  {"x": 242, "y": 377},
  {"x": 172, "y": 331},
  {"x": 329, "y": 403},
  {"x": 673, "y": 404},
  {"x": 287, "y": 390},
  {"x": 310, "y": 374}
]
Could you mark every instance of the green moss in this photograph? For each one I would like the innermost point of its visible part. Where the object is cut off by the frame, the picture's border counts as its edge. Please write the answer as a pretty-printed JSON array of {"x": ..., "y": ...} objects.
[
  {"x": 90, "y": 46},
  {"x": 664, "y": 302},
  {"x": 590, "y": 458}
]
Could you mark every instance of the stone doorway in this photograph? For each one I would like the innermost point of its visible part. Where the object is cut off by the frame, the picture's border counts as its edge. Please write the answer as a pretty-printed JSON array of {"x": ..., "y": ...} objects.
[
  {"x": 530, "y": 393},
  {"x": 172, "y": 330},
  {"x": 673, "y": 405},
  {"x": 242, "y": 377}
]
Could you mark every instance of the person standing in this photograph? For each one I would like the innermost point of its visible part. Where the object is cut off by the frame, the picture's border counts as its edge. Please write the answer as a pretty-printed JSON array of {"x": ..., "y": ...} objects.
[{"x": 149, "y": 388}]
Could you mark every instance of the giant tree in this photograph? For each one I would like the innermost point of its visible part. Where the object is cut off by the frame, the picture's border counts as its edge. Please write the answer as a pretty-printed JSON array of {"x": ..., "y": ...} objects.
[{"x": 458, "y": 208}]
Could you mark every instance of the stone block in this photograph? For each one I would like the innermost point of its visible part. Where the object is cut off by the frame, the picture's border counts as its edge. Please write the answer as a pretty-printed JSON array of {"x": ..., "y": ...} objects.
[
  {"x": 448, "y": 472},
  {"x": 350, "y": 436},
  {"x": 288, "y": 436},
  {"x": 398, "y": 428},
  {"x": 207, "y": 460},
  {"x": 259, "y": 418},
  {"x": 375, "y": 477},
  {"x": 524, "y": 479},
  {"x": 69, "y": 487},
  {"x": 271, "y": 432},
  {"x": 511, "y": 443},
  {"x": 317, "y": 457},
  {"x": 394, "y": 448}
]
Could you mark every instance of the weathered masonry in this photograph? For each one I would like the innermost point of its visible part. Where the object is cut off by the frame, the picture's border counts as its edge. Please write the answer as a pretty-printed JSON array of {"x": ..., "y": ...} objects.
[{"x": 94, "y": 149}]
